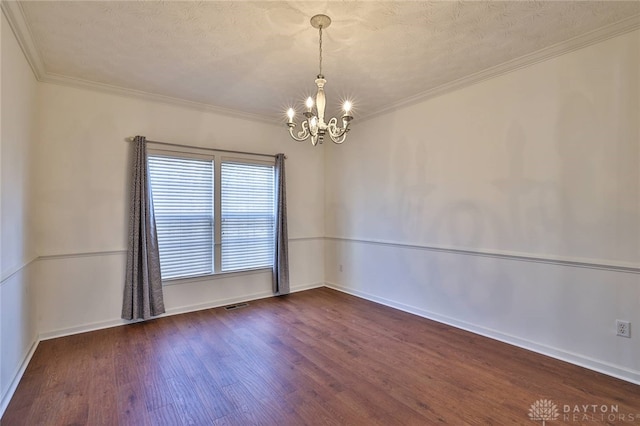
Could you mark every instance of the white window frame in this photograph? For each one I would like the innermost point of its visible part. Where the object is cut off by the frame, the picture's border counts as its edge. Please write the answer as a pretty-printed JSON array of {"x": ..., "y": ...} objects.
[{"x": 217, "y": 157}]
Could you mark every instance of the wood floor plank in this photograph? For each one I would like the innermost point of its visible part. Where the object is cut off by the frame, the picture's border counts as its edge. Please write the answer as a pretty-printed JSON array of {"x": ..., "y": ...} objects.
[
  {"x": 157, "y": 391},
  {"x": 102, "y": 382},
  {"x": 332, "y": 352},
  {"x": 165, "y": 415},
  {"x": 190, "y": 408},
  {"x": 314, "y": 357},
  {"x": 131, "y": 405}
]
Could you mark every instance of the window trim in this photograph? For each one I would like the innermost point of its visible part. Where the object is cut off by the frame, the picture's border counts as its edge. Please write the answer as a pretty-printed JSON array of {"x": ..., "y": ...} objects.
[
  {"x": 214, "y": 276},
  {"x": 217, "y": 157}
]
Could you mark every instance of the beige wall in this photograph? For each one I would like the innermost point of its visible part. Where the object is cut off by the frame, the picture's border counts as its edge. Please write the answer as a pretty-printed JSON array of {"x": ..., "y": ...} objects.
[
  {"x": 17, "y": 315},
  {"x": 64, "y": 206},
  {"x": 510, "y": 207},
  {"x": 82, "y": 163}
]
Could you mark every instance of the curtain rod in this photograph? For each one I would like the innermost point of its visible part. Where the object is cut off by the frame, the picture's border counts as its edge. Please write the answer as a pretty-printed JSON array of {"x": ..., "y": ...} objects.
[{"x": 228, "y": 151}]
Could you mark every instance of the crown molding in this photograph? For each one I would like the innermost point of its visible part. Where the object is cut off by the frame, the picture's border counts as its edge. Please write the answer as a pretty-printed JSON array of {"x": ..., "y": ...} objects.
[
  {"x": 629, "y": 24},
  {"x": 12, "y": 10},
  {"x": 15, "y": 16},
  {"x": 153, "y": 97}
]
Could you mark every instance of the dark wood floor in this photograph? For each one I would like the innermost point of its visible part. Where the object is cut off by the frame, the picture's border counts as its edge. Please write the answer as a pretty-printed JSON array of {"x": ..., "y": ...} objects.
[{"x": 315, "y": 357}]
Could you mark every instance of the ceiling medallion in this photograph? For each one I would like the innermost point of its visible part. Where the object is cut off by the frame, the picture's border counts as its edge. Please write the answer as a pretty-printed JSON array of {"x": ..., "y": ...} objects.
[{"x": 314, "y": 126}]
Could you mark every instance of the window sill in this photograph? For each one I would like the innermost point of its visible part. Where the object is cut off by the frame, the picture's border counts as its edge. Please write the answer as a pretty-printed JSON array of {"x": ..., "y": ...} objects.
[{"x": 216, "y": 276}]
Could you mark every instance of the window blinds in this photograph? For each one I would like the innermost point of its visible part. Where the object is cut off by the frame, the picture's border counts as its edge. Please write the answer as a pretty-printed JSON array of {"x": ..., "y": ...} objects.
[
  {"x": 186, "y": 205},
  {"x": 247, "y": 210},
  {"x": 182, "y": 190}
]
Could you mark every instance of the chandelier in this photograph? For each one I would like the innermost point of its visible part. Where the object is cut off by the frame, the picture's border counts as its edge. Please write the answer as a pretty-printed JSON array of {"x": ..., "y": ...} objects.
[{"x": 314, "y": 126}]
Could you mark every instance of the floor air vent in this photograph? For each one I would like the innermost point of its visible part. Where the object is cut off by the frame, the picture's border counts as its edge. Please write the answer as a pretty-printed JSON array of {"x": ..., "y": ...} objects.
[{"x": 236, "y": 306}]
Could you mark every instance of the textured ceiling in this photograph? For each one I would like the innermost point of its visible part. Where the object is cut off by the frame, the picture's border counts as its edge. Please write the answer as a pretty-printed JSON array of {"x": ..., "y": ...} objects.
[{"x": 259, "y": 57}]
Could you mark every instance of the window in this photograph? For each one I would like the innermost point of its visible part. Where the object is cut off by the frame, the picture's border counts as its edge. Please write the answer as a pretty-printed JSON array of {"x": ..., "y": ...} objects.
[
  {"x": 182, "y": 191},
  {"x": 213, "y": 214},
  {"x": 247, "y": 216}
]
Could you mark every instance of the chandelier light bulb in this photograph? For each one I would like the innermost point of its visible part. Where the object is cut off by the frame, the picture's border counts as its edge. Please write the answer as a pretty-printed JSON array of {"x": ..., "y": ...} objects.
[{"x": 314, "y": 126}]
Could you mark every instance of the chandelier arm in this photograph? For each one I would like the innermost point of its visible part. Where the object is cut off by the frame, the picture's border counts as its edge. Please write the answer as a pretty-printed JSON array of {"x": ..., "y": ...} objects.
[
  {"x": 303, "y": 134},
  {"x": 334, "y": 130},
  {"x": 340, "y": 139},
  {"x": 305, "y": 131}
]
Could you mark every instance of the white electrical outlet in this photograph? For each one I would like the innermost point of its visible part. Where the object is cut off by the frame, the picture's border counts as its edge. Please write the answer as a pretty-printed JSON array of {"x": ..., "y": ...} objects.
[{"x": 623, "y": 328}]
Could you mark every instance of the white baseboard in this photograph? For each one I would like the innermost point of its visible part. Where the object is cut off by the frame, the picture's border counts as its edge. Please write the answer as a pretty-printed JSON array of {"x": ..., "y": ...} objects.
[
  {"x": 303, "y": 287},
  {"x": 230, "y": 301},
  {"x": 560, "y": 354},
  {"x": 6, "y": 397},
  {"x": 173, "y": 311},
  {"x": 84, "y": 328}
]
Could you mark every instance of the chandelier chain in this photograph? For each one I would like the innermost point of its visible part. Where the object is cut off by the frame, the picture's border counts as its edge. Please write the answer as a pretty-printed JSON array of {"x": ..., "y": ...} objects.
[{"x": 320, "y": 49}]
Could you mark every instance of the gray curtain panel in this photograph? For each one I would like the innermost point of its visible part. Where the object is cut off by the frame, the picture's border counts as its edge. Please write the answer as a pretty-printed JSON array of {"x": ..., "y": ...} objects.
[
  {"x": 143, "y": 283},
  {"x": 281, "y": 256}
]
